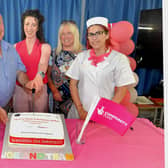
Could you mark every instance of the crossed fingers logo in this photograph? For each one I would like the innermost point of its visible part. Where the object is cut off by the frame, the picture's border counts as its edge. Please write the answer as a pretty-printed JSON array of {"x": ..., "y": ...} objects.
[{"x": 100, "y": 111}]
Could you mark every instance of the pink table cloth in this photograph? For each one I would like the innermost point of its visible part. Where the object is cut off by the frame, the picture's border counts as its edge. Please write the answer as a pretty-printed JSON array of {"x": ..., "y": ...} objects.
[{"x": 142, "y": 147}]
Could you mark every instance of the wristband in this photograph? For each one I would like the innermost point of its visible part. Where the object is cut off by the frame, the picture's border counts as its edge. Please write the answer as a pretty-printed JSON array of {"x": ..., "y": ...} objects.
[{"x": 42, "y": 74}]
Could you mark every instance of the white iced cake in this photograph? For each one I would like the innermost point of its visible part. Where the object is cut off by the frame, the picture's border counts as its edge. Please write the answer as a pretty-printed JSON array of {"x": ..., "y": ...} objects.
[{"x": 36, "y": 129}]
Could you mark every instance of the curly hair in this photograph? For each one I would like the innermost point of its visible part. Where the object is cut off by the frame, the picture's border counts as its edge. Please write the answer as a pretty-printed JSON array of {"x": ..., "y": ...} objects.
[{"x": 40, "y": 18}]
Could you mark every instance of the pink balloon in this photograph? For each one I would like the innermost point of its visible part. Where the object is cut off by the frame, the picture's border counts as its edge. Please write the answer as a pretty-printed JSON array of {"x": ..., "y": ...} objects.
[
  {"x": 133, "y": 94},
  {"x": 122, "y": 31},
  {"x": 126, "y": 98},
  {"x": 136, "y": 81},
  {"x": 132, "y": 63},
  {"x": 127, "y": 47},
  {"x": 129, "y": 106},
  {"x": 132, "y": 108},
  {"x": 113, "y": 24},
  {"x": 1, "y": 28},
  {"x": 115, "y": 45}
]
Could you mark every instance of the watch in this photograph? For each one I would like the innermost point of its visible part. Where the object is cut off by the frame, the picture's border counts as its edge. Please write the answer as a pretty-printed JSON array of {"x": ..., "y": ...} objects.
[{"x": 42, "y": 74}]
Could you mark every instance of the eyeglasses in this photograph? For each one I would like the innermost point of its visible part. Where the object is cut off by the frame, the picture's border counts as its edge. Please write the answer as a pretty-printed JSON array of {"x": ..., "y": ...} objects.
[{"x": 96, "y": 34}]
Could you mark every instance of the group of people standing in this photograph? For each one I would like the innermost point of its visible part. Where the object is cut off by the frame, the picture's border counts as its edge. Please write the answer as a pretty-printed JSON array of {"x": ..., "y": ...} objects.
[{"x": 74, "y": 75}]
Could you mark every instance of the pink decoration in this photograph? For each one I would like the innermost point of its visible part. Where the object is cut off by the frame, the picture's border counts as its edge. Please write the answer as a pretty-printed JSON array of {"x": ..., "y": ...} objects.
[
  {"x": 121, "y": 31},
  {"x": 133, "y": 94},
  {"x": 130, "y": 106},
  {"x": 115, "y": 45},
  {"x": 127, "y": 47},
  {"x": 136, "y": 81},
  {"x": 132, "y": 63},
  {"x": 133, "y": 109},
  {"x": 126, "y": 98},
  {"x": 120, "y": 34},
  {"x": 1, "y": 28}
]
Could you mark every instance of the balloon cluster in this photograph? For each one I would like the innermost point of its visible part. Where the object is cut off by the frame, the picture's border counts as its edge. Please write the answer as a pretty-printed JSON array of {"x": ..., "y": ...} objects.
[{"x": 121, "y": 33}]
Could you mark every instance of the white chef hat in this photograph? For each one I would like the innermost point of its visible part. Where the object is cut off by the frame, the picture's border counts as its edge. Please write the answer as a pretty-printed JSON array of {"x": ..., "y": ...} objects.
[{"x": 97, "y": 20}]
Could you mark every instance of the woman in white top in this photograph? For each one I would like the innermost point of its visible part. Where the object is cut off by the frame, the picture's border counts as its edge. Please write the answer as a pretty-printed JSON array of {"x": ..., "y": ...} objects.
[{"x": 97, "y": 71}]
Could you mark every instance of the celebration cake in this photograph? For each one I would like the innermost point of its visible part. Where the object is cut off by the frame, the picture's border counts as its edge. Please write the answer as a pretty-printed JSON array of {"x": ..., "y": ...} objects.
[{"x": 44, "y": 129}]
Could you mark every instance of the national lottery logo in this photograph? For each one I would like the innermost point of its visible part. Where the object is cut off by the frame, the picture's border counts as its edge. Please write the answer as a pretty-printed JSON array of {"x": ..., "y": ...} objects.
[
  {"x": 109, "y": 116},
  {"x": 100, "y": 111}
]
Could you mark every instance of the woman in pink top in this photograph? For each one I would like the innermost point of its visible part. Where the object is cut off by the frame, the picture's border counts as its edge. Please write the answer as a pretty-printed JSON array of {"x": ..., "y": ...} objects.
[{"x": 34, "y": 53}]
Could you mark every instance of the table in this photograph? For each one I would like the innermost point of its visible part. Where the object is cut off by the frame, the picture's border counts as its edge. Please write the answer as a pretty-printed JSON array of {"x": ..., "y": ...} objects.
[
  {"x": 156, "y": 107},
  {"x": 142, "y": 147}
]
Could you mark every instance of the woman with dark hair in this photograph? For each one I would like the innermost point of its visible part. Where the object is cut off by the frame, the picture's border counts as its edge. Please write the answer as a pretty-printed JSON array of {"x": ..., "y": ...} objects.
[
  {"x": 97, "y": 71},
  {"x": 40, "y": 18},
  {"x": 34, "y": 53}
]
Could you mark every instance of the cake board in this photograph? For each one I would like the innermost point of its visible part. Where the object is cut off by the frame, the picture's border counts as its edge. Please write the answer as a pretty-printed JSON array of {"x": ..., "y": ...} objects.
[{"x": 16, "y": 151}]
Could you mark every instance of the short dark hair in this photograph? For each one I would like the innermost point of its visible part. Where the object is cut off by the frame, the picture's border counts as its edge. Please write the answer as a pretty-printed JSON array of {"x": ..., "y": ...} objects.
[{"x": 40, "y": 18}]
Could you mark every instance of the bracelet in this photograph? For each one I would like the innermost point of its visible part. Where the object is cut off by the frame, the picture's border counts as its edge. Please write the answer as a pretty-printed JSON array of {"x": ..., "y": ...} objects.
[{"x": 42, "y": 74}]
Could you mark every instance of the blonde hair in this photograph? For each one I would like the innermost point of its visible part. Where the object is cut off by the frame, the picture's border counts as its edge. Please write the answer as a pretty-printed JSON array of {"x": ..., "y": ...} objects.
[{"x": 77, "y": 46}]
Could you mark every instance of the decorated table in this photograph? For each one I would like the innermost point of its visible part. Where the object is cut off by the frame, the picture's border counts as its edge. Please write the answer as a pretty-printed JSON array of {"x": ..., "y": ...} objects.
[{"x": 141, "y": 147}]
